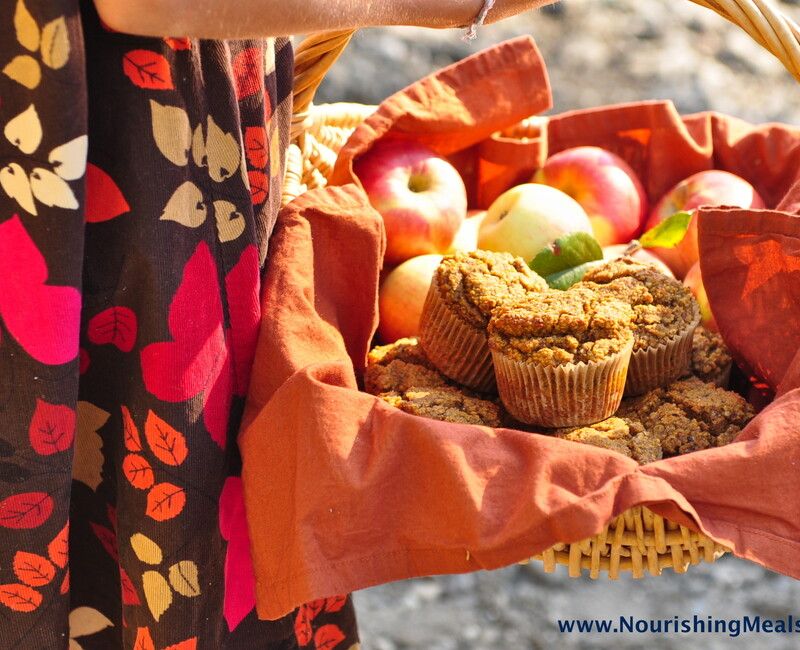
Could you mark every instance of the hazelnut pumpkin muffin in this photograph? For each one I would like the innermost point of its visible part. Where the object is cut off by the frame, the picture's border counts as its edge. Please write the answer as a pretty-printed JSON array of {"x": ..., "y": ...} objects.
[
  {"x": 399, "y": 366},
  {"x": 711, "y": 359},
  {"x": 561, "y": 357},
  {"x": 689, "y": 415},
  {"x": 627, "y": 437},
  {"x": 665, "y": 317},
  {"x": 447, "y": 404},
  {"x": 464, "y": 292}
]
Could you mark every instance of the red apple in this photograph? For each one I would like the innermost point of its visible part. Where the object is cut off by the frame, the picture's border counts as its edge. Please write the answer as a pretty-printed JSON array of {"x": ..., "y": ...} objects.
[
  {"x": 420, "y": 196},
  {"x": 694, "y": 282},
  {"x": 606, "y": 188},
  {"x": 707, "y": 188},
  {"x": 642, "y": 255},
  {"x": 402, "y": 295}
]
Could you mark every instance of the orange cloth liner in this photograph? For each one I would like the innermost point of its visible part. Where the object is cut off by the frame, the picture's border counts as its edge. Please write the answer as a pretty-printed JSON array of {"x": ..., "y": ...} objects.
[{"x": 343, "y": 491}]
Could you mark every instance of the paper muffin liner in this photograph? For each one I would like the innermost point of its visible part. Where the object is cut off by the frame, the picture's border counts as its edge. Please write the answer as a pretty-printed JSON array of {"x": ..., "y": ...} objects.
[
  {"x": 661, "y": 364},
  {"x": 457, "y": 349},
  {"x": 573, "y": 394}
]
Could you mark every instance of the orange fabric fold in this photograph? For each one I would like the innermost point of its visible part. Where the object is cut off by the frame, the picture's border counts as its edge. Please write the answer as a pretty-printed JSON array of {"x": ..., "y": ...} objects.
[{"x": 343, "y": 492}]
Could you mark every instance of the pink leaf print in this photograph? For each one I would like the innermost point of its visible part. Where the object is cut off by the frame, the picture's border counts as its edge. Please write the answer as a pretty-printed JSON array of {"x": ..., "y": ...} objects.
[
  {"x": 259, "y": 186},
  {"x": 104, "y": 200},
  {"x": 240, "y": 589},
  {"x": 243, "y": 285},
  {"x": 108, "y": 538},
  {"x": 248, "y": 70},
  {"x": 26, "y": 510},
  {"x": 147, "y": 69},
  {"x": 255, "y": 146},
  {"x": 196, "y": 360},
  {"x": 129, "y": 594},
  {"x": 44, "y": 319},
  {"x": 52, "y": 428},
  {"x": 115, "y": 325}
]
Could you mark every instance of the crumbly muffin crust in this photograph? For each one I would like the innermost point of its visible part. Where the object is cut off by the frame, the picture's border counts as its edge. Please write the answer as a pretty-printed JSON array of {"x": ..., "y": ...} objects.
[
  {"x": 553, "y": 328},
  {"x": 473, "y": 284},
  {"x": 400, "y": 366},
  {"x": 689, "y": 415},
  {"x": 710, "y": 355},
  {"x": 628, "y": 437},
  {"x": 408, "y": 350},
  {"x": 663, "y": 308},
  {"x": 447, "y": 404}
]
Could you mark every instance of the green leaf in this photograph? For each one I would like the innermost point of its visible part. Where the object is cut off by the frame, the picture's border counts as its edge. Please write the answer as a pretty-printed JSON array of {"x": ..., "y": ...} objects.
[
  {"x": 567, "y": 252},
  {"x": 566, "y": 278},
  {"x": 669, "y": 233}
]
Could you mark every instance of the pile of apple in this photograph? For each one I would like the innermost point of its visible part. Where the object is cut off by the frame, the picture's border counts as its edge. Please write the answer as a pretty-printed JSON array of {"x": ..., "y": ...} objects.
[{"x": 423, "y": 202}]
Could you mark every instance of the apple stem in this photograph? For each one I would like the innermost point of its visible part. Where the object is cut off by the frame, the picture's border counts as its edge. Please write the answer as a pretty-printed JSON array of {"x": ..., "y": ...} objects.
[{"x": 634, "y": 247}]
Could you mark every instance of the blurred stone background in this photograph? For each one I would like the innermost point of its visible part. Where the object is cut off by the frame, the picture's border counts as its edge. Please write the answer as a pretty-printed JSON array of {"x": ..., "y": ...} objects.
[{"x": 597, "y": 52}]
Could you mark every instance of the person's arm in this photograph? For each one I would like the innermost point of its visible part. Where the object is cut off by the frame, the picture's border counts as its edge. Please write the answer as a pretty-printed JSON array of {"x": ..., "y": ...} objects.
[{"x": 258, "y": 18}]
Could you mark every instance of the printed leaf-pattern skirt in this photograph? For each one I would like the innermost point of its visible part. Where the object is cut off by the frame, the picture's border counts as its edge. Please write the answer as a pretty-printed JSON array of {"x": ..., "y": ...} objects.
[{"x": 139, "y": 182}]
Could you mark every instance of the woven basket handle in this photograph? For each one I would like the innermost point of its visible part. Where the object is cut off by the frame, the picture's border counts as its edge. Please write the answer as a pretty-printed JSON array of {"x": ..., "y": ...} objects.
[{"x": 761, "y": 19}]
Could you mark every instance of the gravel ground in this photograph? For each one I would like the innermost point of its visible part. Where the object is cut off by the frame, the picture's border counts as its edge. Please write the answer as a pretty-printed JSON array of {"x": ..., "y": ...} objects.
[{"x": 598, "y": 52}]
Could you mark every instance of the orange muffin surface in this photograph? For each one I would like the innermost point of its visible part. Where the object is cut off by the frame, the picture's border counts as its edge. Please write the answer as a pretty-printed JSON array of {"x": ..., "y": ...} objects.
[
  {"x": 553, "y": 328},
  {"x": 399, "y": 366},
  {"x": 628, "y": 437},
  {"x": 663, "y": 308},
  {"x": 710, "y": 355},
  {"x": 473, "y": 284},
  {"x": 447, "y": 404},
  {"x": 689, "y": 415}
]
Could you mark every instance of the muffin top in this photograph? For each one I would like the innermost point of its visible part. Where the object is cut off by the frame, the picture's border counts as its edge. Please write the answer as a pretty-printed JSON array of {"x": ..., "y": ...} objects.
[
  {"x": 553, "y": 328},
  {"x": 400, "y": 366},
  {"x": 627, "y": 437},
  {"x": 689, "y": 415},
  {"x": 662, "y": 306},
  {"x": 710, "y": 355},
  {"x": 447, "y": 404},
  {"x": 473, "y": 284}
]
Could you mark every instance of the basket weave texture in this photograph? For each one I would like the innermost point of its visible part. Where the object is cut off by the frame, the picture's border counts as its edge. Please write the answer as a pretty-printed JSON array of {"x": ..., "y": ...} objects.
[{"x": 638, "y": 540}]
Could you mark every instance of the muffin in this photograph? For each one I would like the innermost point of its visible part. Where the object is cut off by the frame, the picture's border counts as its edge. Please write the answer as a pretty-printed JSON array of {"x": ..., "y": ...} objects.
[
  {"x": 465, "y": 289},
  {"x": 400, "y": 366},
  {"x": 561, "y": 357},
  {"x": 447, "y": 404},
  {"x": 627, "y": 437},
  {"x": 711, "y": 359},
  {"x": 689, "y": 415},
  {"x": 665, "y": 317}
]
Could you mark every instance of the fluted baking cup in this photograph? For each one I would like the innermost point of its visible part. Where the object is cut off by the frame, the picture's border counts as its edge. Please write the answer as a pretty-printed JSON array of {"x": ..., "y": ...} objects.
[
  {"x": 661, "y": 364},
  {"x": 572, "y": 394},
  {"x": 457, "y": 349}
]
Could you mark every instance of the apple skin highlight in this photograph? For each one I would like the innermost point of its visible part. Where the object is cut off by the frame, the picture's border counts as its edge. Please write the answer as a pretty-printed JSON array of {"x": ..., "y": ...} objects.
[
  {"x": 420, "y": 196},
  {"x": 707, "y": 188},
  {"x": 606, "y": 188},
  {"x": 528, "y": 217}
]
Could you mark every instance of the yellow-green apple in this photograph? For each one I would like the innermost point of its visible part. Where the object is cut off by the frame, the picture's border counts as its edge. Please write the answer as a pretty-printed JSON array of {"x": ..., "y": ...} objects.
[
  {"x": 604, "y": 185},
  {"x": 466, "y": 238},
  {"x": 642, "y": 255},
  {"x": 707, "y": 188},
  {"x": 420, "y": 196},
  {"x": 694, "y": 282},
  {"x": 528, "y": 217},
  {"x": 402, "y": 295}
]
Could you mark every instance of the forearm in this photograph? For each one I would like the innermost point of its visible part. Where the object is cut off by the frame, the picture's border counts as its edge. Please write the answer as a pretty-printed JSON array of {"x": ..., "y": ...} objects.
[{"x": 258, "y": 18}]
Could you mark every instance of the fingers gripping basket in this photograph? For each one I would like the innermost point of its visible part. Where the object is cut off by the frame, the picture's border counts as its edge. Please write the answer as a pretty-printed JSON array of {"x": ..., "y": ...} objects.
[{"x": 638, "y": 540}]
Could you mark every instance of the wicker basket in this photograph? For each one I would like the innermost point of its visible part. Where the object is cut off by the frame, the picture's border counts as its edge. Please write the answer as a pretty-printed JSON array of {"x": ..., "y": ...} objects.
[{"x": 637, "y": 540}]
